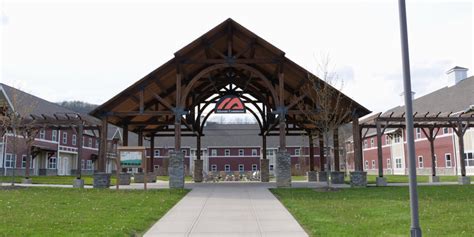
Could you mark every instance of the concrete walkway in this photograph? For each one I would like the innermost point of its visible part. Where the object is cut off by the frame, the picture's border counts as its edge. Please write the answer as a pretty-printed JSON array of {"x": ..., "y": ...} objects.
[{"x": 228, "y": 209}]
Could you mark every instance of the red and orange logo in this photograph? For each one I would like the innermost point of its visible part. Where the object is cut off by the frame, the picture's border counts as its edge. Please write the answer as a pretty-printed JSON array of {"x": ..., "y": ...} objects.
[{"x": 230, "y": 104}]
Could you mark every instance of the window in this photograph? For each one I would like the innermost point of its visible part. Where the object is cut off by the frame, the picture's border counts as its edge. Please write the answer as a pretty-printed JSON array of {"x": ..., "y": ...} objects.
[
  {"x": 64, "y": 137},
  {"x": 271, "y": 167},
  {"x": 389, "y": 163},
  {"x": 74, "y": 139},
  {"x": 227, "y": 152},
  {"x": 445, "y": 130},
  {"x": 83, "y": 164},
  {"x": 97, "y": 143},
  {"x": 397, "y": 138},
  {"x": 90, "y": 142},
  {"x": 365, "y": 143},
  {"x": 170, "y": 150},
  {"x": 447, "y": 158},
  {"x": 157, "y": 153},
  {"x": 241, "y": 168},
  {"x": 420, "y": 161},
  {"x": 10, "y": 161},
  {"x": 52, "y": 163},
  {"x": 387, "y": 139},
  {"x": 23, "y": 161},
  {"x": 88, "y": 164},
  {"x": 156, "y": 167},
  {"x": 373, "y": 164},
  {"x": 214, "y": 168},
  {"x": 436, "y": 161},
  {"x": 254, "y": 152},
  {"x": 398, "y": 163},
  {"x": 371, "y": 142},
  {"x": 469, "y": 159},
  {"x": 42, "y": 134},
  {"x": 241, "y": 152},
  {"x": 366, "y": 164},
  {"x": 297, "y": 167},
  {"x": 418, "y": 133},
  {"x": 297, "y": 152},
  {"x": 184, "y": 152},
  {"x": 269, "y": 152},
  {"x": 214, "y": 152},
  {"x": 227, "y": 168},
  {"x": 254, "y": 167},
  {"x": 54, "y": 135}
]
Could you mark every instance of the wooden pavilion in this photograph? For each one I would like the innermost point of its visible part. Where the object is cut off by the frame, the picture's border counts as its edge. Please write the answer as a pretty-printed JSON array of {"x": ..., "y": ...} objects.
[{"x": 227, "y": 60}]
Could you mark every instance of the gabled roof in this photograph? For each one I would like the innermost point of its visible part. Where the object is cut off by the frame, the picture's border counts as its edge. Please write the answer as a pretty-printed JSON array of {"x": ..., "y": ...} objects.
[
  {"x": 211, "y": 49},
  {"x": 454, "y": 99}
]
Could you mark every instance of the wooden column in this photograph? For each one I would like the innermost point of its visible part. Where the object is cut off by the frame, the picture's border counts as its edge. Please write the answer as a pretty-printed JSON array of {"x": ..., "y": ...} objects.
[
  {"x": 460, "y": 131},
  {"x": 379, "y": 149},
  {"x": 80, "y": 134},
  {"x": 311, "y": 151},
  {"x": 140, "y": 138},
  {"x": 264, "y": 147},
  {"x": 282, "y": 124},
  {"x": 198, "y": 147},
  {"x": 357, "y": 144},
  {"x": 431, "y": 136},
  {"x": 322, "y": 159},
  {"x": 336, "y": 149},
  {"x": 103, "y": 146},
  {"x": 177, "y": 114},
  {"x": 152, "y": 153},
  {"x": 125, "y": 135}
]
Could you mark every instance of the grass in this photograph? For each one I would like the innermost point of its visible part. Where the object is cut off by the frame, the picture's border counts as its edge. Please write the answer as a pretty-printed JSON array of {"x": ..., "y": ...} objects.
[
  {"x": 382, "y": 211},
  {"x": 404, "y": 178},
  {"x": 88, "y": 180},
  {"x": 82, "y": 212},
  {"x": 167, "y": 178}
]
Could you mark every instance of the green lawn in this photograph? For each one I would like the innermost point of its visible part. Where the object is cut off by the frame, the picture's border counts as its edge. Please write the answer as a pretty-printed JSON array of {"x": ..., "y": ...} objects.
[
  {"x": 381, "y": 211},
  {"x": 167, "y": 178},
  {"x": 404, "y": 178},
  {"x": 88, "y": 180},
  {"x": 82, "y": 212}
]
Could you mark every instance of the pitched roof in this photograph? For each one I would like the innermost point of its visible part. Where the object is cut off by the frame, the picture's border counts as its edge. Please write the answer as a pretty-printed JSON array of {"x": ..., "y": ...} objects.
[{"x": 454, "y": 99}]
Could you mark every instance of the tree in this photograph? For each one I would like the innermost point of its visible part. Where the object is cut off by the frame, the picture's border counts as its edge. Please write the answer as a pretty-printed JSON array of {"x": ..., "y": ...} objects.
[{"x": 328, "y": 107}]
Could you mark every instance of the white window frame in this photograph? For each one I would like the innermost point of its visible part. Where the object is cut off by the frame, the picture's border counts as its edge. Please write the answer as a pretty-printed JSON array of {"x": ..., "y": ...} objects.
[
  {"x": 64, "y": 138},
  {"x": 387, "y": 139},
  {"x": 372, "y": 142},
  {"x": 97, "y": 143},
  {"x": 156, "y": 153},
  {"x": 241, "y": 152},
  {"x": 10, "y": 160},
  {"x": 74, "y": 139},
  {"x": 450, "y": 160},
  {"x": 366, "y": 163},
  {"x": 418, "y": 133},
  {"x": 254, "y": 167},
  {"x": 365, "y": 143},
  {"x": 297, "y": 152},
  {"x": 389, "y": 163},
  {"x": 227, "y": 152},
  {"x": 214, "y": 152},
  {"x": 227, "y": 168},
  {"x": 23, "y": 161},
  {"x": 241, "y": 167},
  {"x": 89, "y": 142},
  {"x": 42, "y": 134},
  {"x": 254, "y": 152},
  {"x": 436, "y": 161},
  {"x": 271, "y": 167},
  {"x": 373, "y": 164},
  {"x": 469, "y": 159},
  {"x": 52, "y": 165},
  {"x": 420, "y": 162},
  {"x": 54, "y": 135},
  {"x": 398, "y": 163},
  {"x": 88, "y": 164},
  {"x": 184, "y": 151},
  {"x": 445, "y": 130},
  {"x": 397, "y": 138},
  {"x": 214, "y": 167}
]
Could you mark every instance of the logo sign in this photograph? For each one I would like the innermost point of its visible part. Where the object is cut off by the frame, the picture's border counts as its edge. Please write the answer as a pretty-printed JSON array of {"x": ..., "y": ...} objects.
[{"x": 230, "y": 104}]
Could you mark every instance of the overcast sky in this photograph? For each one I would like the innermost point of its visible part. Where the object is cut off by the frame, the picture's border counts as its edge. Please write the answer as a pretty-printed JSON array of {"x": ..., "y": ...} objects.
[{"x": 92, "y": 50}]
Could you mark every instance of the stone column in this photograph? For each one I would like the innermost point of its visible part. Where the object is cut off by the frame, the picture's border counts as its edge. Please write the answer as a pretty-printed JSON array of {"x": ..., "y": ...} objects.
[
  {"x": 264, "y": 170},
  {"x": 283, "y": 169},
  {"x": 198, "y": 167},
  {"x": 176, "y": 169}
]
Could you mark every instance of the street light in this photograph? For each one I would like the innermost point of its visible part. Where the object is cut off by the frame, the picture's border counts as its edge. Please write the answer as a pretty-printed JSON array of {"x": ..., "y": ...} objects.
[{"x": 415, "y": 230}]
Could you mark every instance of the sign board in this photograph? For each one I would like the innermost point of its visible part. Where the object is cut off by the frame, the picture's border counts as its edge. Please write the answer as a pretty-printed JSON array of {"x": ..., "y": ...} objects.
[
  {"x": 131, "y": 157},
  {"x": 230, "y": 104}
]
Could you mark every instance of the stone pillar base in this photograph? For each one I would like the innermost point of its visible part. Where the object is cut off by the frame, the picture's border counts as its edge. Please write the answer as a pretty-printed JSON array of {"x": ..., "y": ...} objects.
[
  {"x": 197, "y": 173},
  {"x": 312, "y": 176},
  {"x": 283, "y": 169},
  {"x": 322, "y": 176},
  {"x": 78, "y": 183},
  {"x": 433, "y": 179},
  {"x": 337, "y": 177},
  {"x": 101, "y": 180},
  {"x": 26, "y": 181},
  {"x": 381, "y": 181},
  {"x": 176, "y": 169},
  {"x": 358, "y": 179},
  {"x": 124, "y": 179},
  {"x": 464, "y": 180},
  {"x": 264, "y": 170}
]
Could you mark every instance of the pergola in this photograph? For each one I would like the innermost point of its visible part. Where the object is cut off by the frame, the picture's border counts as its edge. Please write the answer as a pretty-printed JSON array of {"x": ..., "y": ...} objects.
[
  {"x": 430, "y": 124},
  {"x": 176, "y": 99}
]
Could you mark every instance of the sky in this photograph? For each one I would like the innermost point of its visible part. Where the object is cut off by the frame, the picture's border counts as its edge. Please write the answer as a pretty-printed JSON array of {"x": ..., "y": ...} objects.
[{"x": 92, "y": 50}]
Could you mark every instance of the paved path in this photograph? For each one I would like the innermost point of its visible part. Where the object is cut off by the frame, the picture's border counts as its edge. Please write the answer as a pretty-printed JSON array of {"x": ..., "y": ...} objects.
[{"x": 228, "y": 209}]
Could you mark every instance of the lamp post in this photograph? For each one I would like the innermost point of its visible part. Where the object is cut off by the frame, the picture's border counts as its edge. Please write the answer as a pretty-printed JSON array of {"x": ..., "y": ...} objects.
[{"x": 415, "y": 230}]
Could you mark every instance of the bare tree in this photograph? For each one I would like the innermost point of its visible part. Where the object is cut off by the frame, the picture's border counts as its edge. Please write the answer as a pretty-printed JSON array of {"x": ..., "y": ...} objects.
[{"x": 329, "y": 108}]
